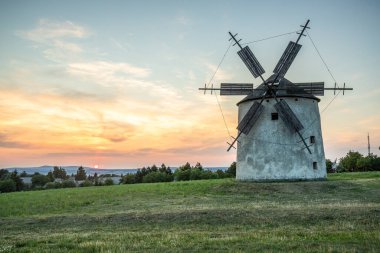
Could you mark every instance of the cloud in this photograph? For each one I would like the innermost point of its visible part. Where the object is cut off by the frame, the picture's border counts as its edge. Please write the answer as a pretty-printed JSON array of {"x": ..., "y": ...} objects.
[
  {"x": 6, "y": 143},
  {"x": 85, "y": 108},
  {"x": 103, "y": 70},
  {"x": 220, "y": 76},
  {"x": 55, "y": 37},
  {"x": 47, "y": 31}
]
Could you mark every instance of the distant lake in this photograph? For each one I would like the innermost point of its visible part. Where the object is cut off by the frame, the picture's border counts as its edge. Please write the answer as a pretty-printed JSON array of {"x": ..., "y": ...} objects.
[{"x": 90, "y": 171}]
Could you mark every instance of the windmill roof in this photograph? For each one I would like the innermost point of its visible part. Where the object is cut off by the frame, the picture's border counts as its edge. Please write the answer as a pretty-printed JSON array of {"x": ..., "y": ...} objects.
[{"x": 285, "y": 89}]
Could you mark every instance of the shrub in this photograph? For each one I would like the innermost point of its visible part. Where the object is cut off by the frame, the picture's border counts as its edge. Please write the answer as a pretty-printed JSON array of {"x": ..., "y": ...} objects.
[
  {"x": 7, "y": 185},
  {"x": 129, "y": 179},
  {"x": 157, "y": 176},
  {"x": 196, "y": 174},
  {"x": 68, "y": 184},
  {"x": 208, "y": 174},
  {"x": 221, "y": 174},
  {"x": 108, "y": 181},
  {"x": 86, "y": 183},
  {"x": 50, "y": 185},
  {"x": 182, "y": 175}
]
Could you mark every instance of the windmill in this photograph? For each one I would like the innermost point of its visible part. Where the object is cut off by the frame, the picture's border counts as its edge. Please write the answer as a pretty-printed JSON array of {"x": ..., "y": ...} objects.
[{"x": 269, "y": 148}]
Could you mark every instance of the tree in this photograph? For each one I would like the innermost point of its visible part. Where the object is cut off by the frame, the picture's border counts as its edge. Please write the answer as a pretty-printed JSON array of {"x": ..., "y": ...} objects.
[
  {"x": 329, "y": 164},
  {"x": 364, "y": 163},
  {"x": 7, "y": 185},
  {"x": 154, "y": 168},
  {"x": 182, "y": 174},
  {"x": 198, "y": 166},
  {"x": 39, "y": 180},
  {"x": 81, "y": 174},
  {"x": 162, "y": 168},
  {"x": 3, "y": 174},
  {"x": 59, "y": 172},
  {"x": 232, "y": 170},
  {"x": 50, "y": 176},
  {"x": 349, "y": 162},
  {"x": 169, "y": 171},
  {"x": 187, "y": 166},
  {"x": 18, "y": 181},
  {"x": 138, "y": 177},
  {"x": 24, "y": 174}
]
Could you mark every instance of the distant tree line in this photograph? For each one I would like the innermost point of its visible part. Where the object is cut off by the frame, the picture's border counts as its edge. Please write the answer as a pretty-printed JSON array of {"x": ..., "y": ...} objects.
[
  {"x": 183, "y": 173},
  {"x": 354, "y": 162},
  {"x": 58, "y": 178}
]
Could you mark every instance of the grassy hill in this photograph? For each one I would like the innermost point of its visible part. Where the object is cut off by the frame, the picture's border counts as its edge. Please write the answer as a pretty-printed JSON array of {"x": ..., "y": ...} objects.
[{"x": 341, "y": 214}]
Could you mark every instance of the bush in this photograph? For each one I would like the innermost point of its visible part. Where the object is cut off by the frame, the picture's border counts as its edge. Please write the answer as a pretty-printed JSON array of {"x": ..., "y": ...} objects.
[
  {"x": 182, "y": 175},
  {"x": 129, "y": 179},
  {"x": 196, "y": 174},
  {"x": 157, "y": 176},
  {"x": 208, "y": 174},
  {"x": 221, "y": 174},
  {"x": 7, "y": 185},
  {"x": 86, "y": 183},
  {"x": 108, "y": 181},
  {"x": 50, "y": 185},
  {"x": 68, "y": 184}
]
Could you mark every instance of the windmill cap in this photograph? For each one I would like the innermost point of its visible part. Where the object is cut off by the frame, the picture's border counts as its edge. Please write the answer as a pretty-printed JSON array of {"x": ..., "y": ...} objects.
[{"x": 285, "y": 89}]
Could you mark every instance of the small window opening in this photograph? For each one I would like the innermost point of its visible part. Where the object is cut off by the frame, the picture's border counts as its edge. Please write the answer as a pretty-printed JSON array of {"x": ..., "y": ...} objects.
[
  {"x": 315, "y": 166},
  {"x": 296, "y": 99},
  {"x": 274, "y": 116},
  {"x": 267, "y": 100},
  {"x": 312, "y": 139}
]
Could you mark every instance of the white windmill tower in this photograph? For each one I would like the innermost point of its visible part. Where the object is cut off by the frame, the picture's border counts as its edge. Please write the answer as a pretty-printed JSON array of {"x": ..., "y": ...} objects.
[{"x": 280, "y": 135}]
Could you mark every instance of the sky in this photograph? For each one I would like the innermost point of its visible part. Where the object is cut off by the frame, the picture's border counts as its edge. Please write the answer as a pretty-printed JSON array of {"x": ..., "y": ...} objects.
[{"x": 115, "y": 83}]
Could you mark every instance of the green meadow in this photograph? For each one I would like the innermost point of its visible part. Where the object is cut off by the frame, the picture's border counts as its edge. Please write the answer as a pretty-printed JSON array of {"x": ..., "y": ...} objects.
[{"x": 341, "y": 214}]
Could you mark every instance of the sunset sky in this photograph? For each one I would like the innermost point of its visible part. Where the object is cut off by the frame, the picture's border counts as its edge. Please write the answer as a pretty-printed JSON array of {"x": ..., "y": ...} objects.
[{"x": 115, "y": 83}]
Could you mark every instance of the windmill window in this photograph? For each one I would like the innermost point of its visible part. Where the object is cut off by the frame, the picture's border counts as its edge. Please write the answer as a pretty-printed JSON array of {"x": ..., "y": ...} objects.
[
  {"x": 296, "y": 99},
  {"x": 274, "y": 116},
  {"x": 315, "y": 166},
  {"x": 312, "y": 139}
]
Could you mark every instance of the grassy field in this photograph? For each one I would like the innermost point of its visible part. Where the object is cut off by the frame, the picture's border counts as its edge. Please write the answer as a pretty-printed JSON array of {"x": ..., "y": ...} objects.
[{"x": 338, "y": 215}]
